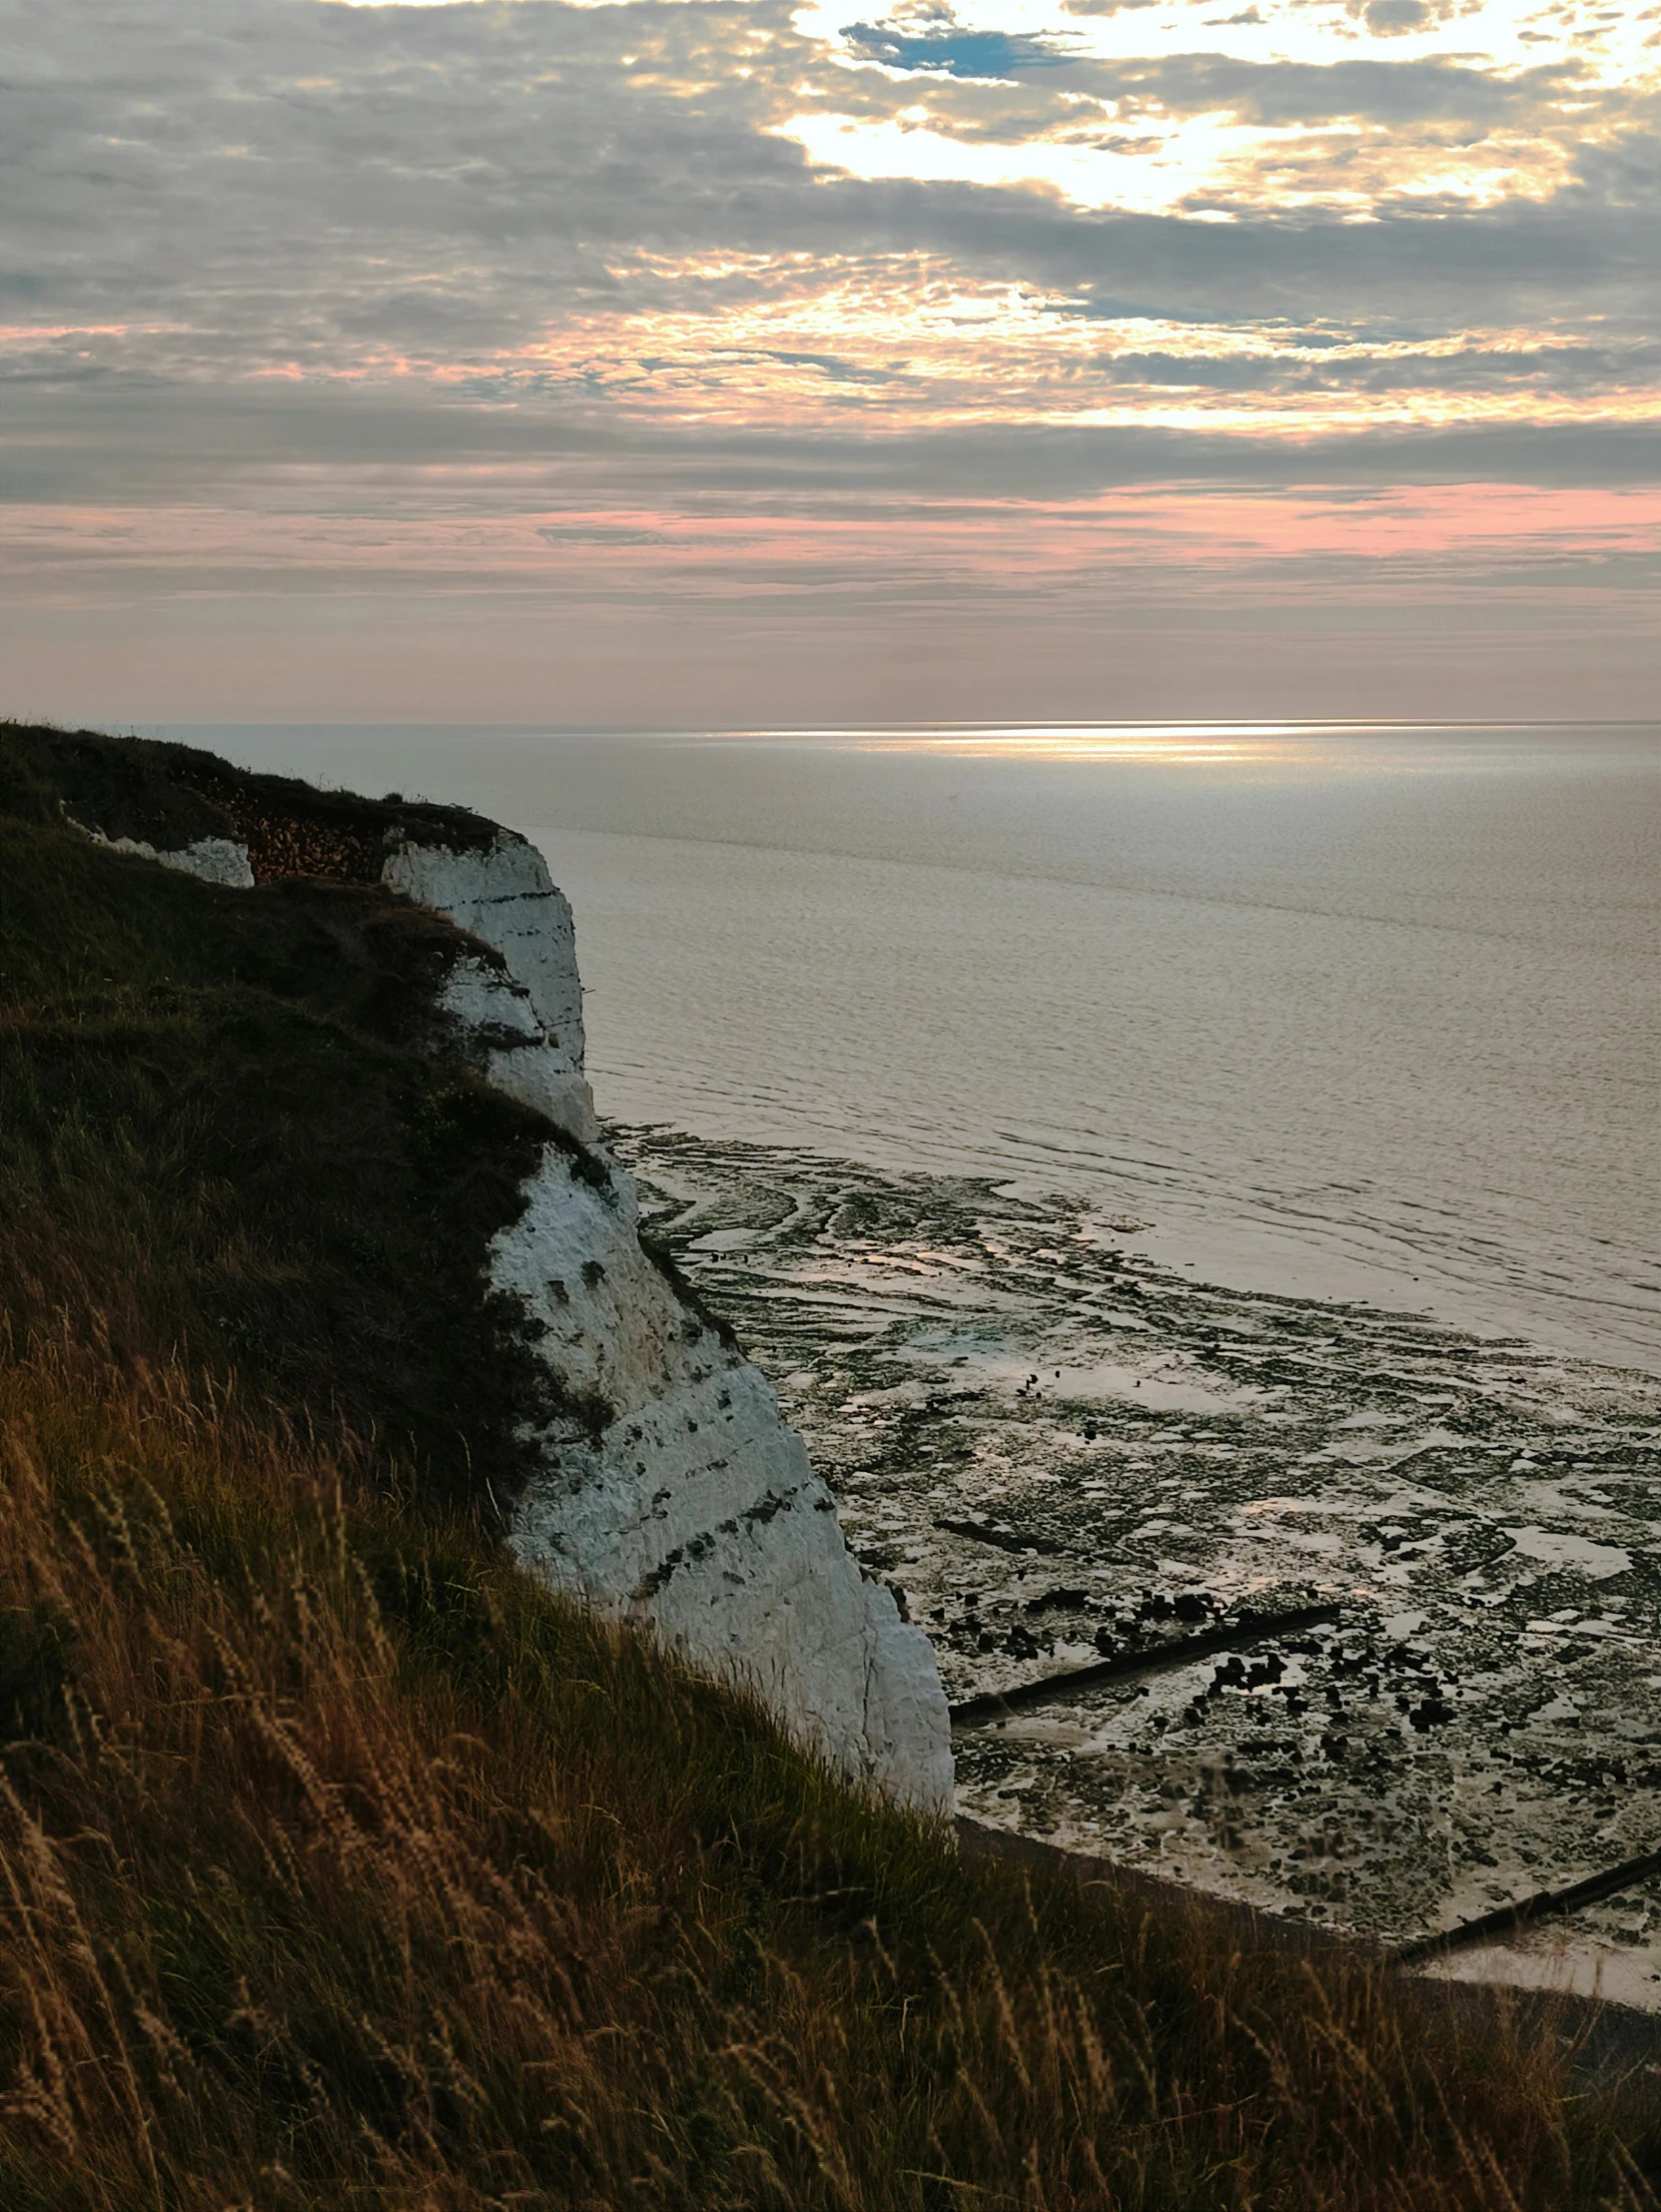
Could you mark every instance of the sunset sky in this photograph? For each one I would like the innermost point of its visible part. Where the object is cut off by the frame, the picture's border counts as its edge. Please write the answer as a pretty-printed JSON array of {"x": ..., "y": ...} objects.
[{"x": 730, "y": 362}]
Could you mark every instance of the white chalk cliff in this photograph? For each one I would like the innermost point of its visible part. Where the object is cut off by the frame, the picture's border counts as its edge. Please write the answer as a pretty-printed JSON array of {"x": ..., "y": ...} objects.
[
  {"x": 528, "y": 1013},
  {"x": 674, "y": 1493},
  {"x": 219, "y": 860}
]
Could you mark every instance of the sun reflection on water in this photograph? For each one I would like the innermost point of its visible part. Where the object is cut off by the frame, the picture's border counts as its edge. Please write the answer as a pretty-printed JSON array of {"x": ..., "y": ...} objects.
[
  {"x": 1186, "y": 742},
  {"x": 1366, "y": 746}
]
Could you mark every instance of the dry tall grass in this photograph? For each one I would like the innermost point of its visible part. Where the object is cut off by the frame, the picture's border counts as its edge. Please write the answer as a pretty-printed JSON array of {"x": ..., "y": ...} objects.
[{"x": 340, "y": 1867}]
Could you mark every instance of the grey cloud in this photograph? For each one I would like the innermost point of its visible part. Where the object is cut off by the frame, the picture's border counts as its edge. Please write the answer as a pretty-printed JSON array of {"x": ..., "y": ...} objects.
[
  {"x": 1625, "y": 171},
  {"x": 967, "y": 81},
  {"x": 1274, "y": 93},
  {"x": 1581, "y": 370},
  {"x": 462, "y": 172},
  {"x": 599, "y": 533},
  {"x": 292, "y": 182},
  {"x": 368, "y": 451},
  {"x": 1388, "y": 18},
  {"x": 454, "y": 166}
]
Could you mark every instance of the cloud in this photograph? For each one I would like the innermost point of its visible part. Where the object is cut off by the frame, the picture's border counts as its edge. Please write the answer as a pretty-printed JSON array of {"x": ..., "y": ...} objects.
[
  {"x": 335, "y": 190},
  {"x": 599, "y": 533},
  {"x": 1582, "y": 371},
  {"x": 1388, "y": 18},
  {"x": 1278, "y": 93},
  {"x": 561, "y": 271}
]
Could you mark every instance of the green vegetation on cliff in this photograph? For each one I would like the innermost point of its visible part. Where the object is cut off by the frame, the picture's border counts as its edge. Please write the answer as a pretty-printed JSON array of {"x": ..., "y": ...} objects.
[
  {"x": 339, "y": 1865},
  {"x": 230, "y": 1133}
]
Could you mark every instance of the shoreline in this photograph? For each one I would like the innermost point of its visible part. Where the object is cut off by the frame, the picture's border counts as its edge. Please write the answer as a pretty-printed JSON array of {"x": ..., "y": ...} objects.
[
  {"x": 1060, "y": 1451},
  {"x": 1252, "y": 1253}
]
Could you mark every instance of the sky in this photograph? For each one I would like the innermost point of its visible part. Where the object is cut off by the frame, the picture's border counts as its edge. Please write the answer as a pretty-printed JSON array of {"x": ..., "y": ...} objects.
[{"x": 672, "y": 363}]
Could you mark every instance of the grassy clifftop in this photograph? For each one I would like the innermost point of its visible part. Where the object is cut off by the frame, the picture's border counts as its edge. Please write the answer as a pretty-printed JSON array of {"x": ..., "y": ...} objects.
[
  {"x": 230, "y": 1131},
  {"x": 342, "y": 1866}
]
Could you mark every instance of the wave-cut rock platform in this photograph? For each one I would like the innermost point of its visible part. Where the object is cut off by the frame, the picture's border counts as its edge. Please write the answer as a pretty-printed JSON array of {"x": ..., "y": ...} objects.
[{"x": 1062, "y": 1456}]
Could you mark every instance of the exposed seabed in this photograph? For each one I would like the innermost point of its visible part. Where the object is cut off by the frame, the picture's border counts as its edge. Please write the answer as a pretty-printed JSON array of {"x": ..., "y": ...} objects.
[{"x": 1062, "y": 1452}]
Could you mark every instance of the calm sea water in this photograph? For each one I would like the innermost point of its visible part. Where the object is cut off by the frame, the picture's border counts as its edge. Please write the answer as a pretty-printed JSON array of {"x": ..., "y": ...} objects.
[{"x": 1352, "y": 1011}]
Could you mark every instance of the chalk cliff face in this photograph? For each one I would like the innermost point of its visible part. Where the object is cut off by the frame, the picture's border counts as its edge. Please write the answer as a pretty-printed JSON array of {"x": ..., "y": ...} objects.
[
  {"x": 669, "y": 1489},
  {"x": 529, "y": 1015},
  {"x": 688, "y": 1501},
  {"x": 220, "y": 860},
  {"x": 674, "y": 1491}
]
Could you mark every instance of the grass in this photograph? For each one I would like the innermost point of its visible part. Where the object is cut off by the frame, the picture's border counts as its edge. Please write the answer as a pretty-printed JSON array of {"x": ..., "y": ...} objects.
[
  {"x": 232, "y": 1133},
  {"x": 342, "y": 1865}
]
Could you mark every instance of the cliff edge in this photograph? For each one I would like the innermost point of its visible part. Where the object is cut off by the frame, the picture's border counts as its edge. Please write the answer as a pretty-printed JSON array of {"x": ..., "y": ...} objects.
[
  {"x": 676, "y": 1491},
  {"x": 661, "y": 1481}
]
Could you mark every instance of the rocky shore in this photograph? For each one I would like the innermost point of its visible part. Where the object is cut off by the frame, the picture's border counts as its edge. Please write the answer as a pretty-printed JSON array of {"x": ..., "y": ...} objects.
[{"x": 1063, "y": 1454}]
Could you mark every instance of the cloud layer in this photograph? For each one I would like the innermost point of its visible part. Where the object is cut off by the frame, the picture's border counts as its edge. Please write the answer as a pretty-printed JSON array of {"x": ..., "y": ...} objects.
[{"x": 692, "y": 311}]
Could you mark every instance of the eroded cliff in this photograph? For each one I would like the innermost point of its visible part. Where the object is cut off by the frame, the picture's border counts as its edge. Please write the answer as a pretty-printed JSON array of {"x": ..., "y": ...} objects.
[
  {"x": 674, "y": 1490},
  {"x": 666, "y": 1485}
]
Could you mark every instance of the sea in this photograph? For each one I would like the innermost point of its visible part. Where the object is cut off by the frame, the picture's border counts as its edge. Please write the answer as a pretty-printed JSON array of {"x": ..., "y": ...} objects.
[{"x": 1348, "y": 1011}]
